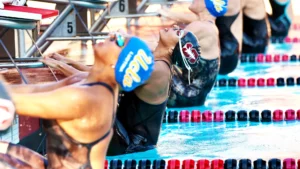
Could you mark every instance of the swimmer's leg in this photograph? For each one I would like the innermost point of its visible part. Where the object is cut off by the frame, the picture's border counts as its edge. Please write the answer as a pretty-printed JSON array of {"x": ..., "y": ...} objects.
[
  {"x": 230, "y": 35},
  {"x": 23, "y": 154},
  {"x": 281, "y": 18},
  {"x": 255, "y": 32}
]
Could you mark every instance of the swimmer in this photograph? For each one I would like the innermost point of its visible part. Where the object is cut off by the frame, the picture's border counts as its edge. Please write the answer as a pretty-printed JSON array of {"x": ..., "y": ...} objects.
[
  {"x": 78, "y": 118},
  {"x": 140, "y": 112},
  {"x": 230, "y": 36},
  {"x": 192, "y": 82},
  {"x": 281, "y": 18}
]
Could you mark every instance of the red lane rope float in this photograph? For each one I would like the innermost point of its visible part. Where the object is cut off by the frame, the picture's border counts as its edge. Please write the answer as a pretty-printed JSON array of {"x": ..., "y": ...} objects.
[
  {"x": 268, "y": 58},
  {"x": 258, "y": 82},
  {"x": 284, "y": 40},
  {"x": 273, "y": 163},
  {"x": 196, "y": 116}
]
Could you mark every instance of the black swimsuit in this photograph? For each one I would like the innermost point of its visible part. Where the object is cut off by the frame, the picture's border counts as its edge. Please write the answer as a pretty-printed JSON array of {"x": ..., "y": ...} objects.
[
  {"x": 279, "y": 21},
  {"x": 63, "y": 151},
  {"x": 202, "y": 78},
  {"x": 255, "y": 35},
  {"x": 137, "y": 125},
  {"x": 228, "y": 43}
]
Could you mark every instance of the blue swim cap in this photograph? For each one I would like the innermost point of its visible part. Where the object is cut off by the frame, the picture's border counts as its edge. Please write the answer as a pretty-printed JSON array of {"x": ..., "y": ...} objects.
[
  {"x": 216, "y": 8},
  {"x": 135, "y": 64}
]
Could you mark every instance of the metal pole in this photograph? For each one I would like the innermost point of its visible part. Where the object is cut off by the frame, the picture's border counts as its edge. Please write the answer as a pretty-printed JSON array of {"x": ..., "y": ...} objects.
[
  {"x": 100, "y": 23},
  {"x": 7, "y": 52},
  {"x": 50, "y": 29},
  {"x": 133, "y": 15},
  {"x": 2, "y": 33},
  {"x": 21, "y": 43},
  {"x": 77, "y": 38},
  {"x": 45, "y": 46}
]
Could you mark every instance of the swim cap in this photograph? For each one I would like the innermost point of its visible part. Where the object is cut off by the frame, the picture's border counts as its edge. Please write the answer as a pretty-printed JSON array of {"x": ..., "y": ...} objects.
[
  {"x": 187, "y": 51},
  {"x": 216, "y": 7},
  {"x": 135, "y": 64}
]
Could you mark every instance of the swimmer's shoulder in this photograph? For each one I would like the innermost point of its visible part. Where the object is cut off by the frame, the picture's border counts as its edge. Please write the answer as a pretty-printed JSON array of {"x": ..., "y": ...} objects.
[{"x": 208, "y": 36}]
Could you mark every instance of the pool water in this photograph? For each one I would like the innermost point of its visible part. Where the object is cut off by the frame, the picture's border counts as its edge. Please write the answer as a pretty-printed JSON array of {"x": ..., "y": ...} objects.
[{"x": 213, "y": 140}]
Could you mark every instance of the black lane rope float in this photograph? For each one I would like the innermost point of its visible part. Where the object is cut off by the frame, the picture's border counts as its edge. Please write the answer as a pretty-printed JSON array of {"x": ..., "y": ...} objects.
[
  {"x": 174, "y": 116},
  {"x": 258, "y": 82},
  {"x": 245, "y": 163}
]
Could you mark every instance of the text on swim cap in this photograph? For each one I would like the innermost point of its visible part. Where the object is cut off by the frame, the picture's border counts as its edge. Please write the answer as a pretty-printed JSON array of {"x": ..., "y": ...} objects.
[
  {"x": 128, "y": 57},
  {"x": 140, "y": 60},
  {"x": 218, "y": 5}
]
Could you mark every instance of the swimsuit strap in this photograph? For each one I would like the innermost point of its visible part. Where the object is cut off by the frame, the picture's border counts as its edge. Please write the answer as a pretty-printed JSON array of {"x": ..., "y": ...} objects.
[{"x": 90, "y": 145}]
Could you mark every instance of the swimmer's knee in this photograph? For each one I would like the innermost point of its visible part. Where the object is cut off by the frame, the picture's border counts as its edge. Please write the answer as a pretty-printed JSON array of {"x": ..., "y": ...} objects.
[{"x": 255, "y": 35}]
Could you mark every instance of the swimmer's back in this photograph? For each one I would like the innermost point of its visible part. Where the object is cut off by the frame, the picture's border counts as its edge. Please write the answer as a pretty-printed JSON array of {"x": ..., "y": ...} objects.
[
  {"x": 208, "y": 38},
  {"x": 83, "y": 141},
  {"x": 156, "y": 90}
]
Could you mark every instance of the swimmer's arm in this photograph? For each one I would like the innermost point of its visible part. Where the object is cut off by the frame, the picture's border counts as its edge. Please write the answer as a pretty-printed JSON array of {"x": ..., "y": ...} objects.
[
  {"x": 34, "y": 88},
  {"x": 69, "y": 70},
  {"x": 65, "y": 103},
  {"x": 180, "y": 17},
  {"x": 66, "y": 69},
  {"x": 80, "y": 66}
]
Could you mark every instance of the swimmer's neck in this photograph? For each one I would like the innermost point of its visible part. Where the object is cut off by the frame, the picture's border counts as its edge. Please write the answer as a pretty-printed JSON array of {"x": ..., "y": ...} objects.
[
  {"x": 206, "y": 16},
  {"x": 162, "y": 52},
  {"x": 101, "y": 72}
]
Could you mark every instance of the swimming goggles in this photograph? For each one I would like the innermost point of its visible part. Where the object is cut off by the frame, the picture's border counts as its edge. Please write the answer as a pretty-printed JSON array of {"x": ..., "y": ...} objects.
[{"x": 120, "y": 40}]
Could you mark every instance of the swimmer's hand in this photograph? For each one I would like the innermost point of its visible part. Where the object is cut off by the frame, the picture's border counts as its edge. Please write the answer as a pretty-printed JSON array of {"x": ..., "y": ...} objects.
[
  {"x": 51, "y": 62},
  {"x": 59, "y": 57}
]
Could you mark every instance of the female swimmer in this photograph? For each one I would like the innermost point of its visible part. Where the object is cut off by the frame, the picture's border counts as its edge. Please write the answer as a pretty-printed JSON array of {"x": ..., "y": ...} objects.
[
  {"x": 78, "y": 118},
  {"x": 194, "y": 79},
  {"x": 140, "y": 112},
  {"x": 233, "y": 37}
]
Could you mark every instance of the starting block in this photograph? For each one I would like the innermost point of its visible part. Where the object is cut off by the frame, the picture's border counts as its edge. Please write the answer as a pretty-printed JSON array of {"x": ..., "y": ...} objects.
[{"x": 62, "y": 28}]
